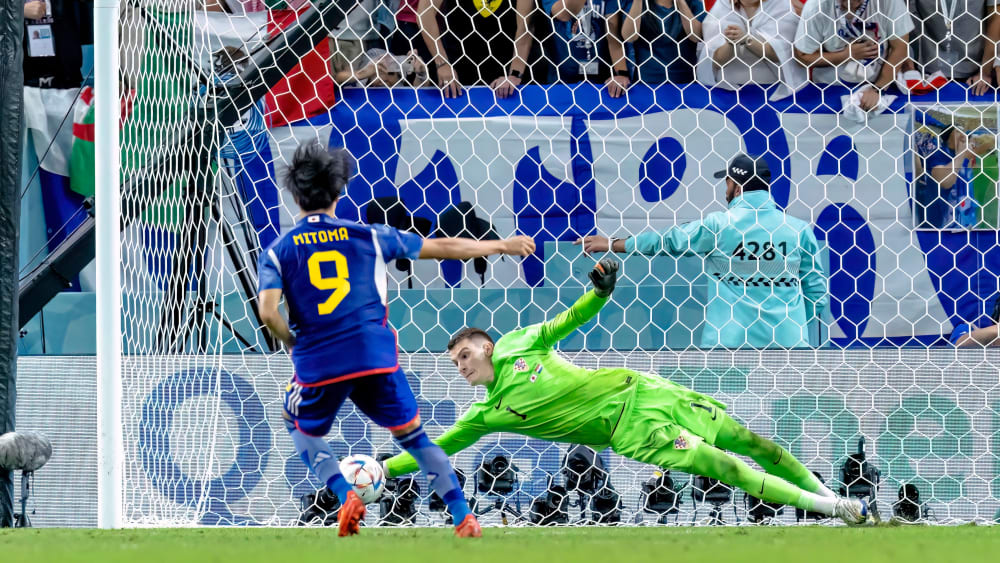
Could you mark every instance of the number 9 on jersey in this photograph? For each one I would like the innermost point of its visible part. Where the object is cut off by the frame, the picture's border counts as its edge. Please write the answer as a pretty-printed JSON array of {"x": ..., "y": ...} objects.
[{"x": 338, "y": 283}]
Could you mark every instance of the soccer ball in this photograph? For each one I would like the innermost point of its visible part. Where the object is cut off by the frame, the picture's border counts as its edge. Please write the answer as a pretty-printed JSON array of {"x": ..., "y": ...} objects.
[{"x": 365, "y": 475}]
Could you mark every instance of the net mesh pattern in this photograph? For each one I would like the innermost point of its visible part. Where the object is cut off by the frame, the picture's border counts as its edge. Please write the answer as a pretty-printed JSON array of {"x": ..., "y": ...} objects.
[{"x": 565, "y": 125}]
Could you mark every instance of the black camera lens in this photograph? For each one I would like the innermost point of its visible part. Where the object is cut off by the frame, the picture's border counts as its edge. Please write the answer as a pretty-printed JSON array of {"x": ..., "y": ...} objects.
[{"x": 499, "y": 465}]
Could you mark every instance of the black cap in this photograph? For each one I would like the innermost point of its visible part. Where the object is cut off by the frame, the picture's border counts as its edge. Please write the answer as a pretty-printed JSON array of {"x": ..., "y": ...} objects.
[{"x": 751, "y": 172}]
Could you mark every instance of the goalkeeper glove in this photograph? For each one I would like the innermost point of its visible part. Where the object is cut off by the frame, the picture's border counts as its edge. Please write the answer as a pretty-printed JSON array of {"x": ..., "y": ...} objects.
[{"x": 604, "y": 275}]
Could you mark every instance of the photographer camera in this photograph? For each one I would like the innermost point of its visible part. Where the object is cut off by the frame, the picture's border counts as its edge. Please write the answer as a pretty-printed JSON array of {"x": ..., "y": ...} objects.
[
  {"x": 26, "y": 452},
  {"x": 660, "y": 497},
  {"x": 497, "y": 477},
  {"x": 909, "y": 508},
  {"x": 860, "y": 478},
  {"x": 552, "y": 507},
  {"x": 398, "y": 505},
  {"x": 586, "y": 474},
  {"x": 715, "y": 493}
]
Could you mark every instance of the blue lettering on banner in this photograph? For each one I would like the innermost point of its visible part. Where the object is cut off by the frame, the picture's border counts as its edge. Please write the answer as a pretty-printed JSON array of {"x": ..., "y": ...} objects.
[
  {"x": 852, "y": 274},
  {"x": 254, "y": 440}
]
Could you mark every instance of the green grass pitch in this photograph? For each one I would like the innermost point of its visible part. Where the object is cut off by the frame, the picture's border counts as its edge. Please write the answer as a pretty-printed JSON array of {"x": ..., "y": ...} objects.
[{"x": 813, "y": 544}]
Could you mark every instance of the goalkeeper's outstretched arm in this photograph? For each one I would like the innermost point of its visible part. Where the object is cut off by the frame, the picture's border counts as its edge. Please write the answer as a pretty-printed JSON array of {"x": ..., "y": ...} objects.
[
  {"x": 456, "y": 439},
  {"x": 604, "y": 277},
  {"x": 472, "y": 426}
]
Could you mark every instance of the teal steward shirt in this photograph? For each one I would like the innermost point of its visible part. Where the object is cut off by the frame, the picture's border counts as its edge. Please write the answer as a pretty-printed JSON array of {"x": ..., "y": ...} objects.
[{"x": 766, "y": 279}]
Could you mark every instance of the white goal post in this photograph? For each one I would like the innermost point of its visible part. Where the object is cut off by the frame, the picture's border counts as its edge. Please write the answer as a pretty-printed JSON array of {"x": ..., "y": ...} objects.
[{"x": 110, "y": 445}]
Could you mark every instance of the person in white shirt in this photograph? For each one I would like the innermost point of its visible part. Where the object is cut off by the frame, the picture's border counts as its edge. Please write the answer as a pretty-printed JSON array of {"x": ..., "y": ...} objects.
[
  {"x": 750, "y": 42},
  {"x": 854, "y": 41}
]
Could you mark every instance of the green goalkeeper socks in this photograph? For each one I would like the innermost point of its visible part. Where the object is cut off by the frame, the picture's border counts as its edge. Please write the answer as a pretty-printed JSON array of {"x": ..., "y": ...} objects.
[
  {"x": 770, "y": 456},
  {"x": 785, "y": 465},
  {"x": 773, "y": 489},
  {"x": 712, "y": 462}
]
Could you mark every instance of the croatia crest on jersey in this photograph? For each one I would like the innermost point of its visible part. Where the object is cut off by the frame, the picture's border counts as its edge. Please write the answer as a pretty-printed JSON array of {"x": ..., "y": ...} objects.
[
  {"x": 520, "y": 365},
  {"x": 682, "y": 442}
]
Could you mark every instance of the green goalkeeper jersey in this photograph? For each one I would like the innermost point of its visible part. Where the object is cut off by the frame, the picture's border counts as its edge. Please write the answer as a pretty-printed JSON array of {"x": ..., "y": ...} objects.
[{"x": 537, "y": 393}]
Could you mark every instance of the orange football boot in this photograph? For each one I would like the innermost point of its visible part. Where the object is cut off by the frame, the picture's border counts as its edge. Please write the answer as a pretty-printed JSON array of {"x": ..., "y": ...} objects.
[
  {"x": 469, "y": 528},
  {"x": 351, "y": 513}
]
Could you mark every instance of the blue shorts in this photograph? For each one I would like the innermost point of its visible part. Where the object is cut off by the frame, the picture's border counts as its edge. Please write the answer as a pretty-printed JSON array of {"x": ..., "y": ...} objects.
[{"x": 385, "y": 398}]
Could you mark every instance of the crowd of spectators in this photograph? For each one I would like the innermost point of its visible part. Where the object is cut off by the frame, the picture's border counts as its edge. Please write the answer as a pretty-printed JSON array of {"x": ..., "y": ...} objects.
[{"x": 780, "y": 44}]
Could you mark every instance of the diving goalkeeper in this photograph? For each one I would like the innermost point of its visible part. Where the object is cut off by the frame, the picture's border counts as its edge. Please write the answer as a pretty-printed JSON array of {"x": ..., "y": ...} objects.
[{"x": 532, "y": 390}]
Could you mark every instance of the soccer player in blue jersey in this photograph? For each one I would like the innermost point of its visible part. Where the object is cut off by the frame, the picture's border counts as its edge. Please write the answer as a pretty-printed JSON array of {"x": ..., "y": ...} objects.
[{"x": 332, "y": 275}]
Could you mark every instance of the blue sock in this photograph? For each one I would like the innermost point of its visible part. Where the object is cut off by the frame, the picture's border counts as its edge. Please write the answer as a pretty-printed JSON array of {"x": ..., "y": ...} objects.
[
  {"x": 318, "y": 457},
  {"x": 435, "y": 465}
]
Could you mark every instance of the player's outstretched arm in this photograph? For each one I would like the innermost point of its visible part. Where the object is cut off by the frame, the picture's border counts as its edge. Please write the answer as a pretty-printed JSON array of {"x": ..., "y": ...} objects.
[
  {"x": 465, "y": 248},
  {"x": 690, "y": 239},
  {"x": 456, "y": 439},
  {"x": 267, "y": 305},
  {"x": 604, "y": 277}
]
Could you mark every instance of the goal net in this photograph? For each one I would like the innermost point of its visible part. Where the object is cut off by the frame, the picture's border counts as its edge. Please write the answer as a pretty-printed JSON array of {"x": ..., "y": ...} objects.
[{"x": 216, "y": 100}]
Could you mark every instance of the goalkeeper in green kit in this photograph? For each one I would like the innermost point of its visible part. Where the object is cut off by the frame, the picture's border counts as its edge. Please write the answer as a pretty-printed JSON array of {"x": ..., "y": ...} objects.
[{"x": 532, "y": 390}]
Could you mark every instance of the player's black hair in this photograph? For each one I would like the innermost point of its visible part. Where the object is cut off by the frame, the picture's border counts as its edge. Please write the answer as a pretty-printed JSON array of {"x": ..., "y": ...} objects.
[
  {"x": 467, "y": 332},
  {"x": 317, "y": 175}
]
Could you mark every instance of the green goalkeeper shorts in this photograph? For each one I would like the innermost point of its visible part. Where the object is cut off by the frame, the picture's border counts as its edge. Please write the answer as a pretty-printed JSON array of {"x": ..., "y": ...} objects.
[{"x": 667, "y": 423}]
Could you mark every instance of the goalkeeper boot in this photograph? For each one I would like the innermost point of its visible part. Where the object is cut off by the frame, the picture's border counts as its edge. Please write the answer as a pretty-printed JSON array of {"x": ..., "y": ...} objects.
[
  {"x": 351, "y": 514},
  {"x": 469, "y": 528},
  {"x": 852, "y": 511}
]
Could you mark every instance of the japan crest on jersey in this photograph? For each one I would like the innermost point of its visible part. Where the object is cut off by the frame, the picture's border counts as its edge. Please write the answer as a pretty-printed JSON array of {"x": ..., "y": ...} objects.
[
  {"x": 520, "y": 365},
  {"x": 537, "y": 372}
]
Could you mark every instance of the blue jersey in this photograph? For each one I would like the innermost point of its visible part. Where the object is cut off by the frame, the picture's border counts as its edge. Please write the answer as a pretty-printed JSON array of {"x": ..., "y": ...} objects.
[{"x": 333, "y": 276}]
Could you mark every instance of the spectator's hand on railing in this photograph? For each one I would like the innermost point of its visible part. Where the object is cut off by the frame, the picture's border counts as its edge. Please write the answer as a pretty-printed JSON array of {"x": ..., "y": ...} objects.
[
  {"x": 617, "y": 85},
  {"x": 863, "y": 49},
  {"x": 981, "y": 82},
  {"x": 447, "y": 82},
  {"x": 34, "y": 10},
  {"x": 869, "y": 98},
  {"x": 505, "y": 86}
]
